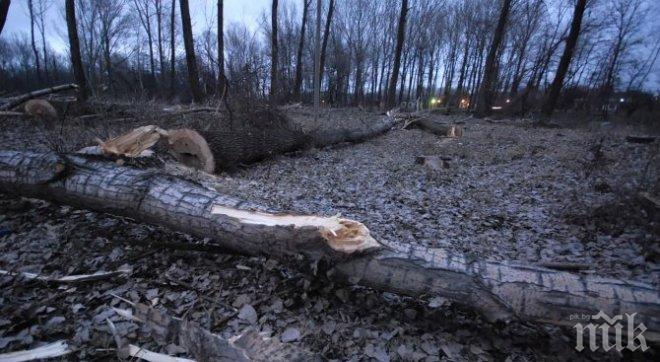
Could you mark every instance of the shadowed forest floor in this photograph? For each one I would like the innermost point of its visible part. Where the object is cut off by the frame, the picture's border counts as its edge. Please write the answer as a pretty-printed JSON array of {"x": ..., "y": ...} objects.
[{"x": 509, "y": 191}]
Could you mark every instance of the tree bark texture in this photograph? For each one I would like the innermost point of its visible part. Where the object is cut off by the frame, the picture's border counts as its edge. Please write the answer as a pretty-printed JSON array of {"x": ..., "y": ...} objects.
[
  {"x": 74, "y": 49},
  {"x": 499, "y": 290}
]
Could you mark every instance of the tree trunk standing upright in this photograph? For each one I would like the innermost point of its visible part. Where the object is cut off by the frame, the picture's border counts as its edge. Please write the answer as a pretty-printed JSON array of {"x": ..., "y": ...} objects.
[
  {"x": 571, "y": 41},
  {"x": 221, "y": 51},
  {"x": 4, "y": 10},
  {"x": 37, "y": 62},
  {"x": 74, "y": 50},
  {"x": 326, "y": 35},
  {"x": 188, "y": 43},
  {"x": 317, "y": 62},
  {"x": 400, "y": 35},
  {"x": 273, "y": 55},
  {"x": 173, "y": 48},
  {"x": 159, "y": 31},
  {"x": 484, "y": 99},
  {"x": 298, "y": 81}
]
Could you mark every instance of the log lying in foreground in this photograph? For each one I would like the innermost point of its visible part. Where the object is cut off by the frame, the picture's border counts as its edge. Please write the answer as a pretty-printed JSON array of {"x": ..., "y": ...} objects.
[
  {"x": 15, "y": 101},
  {"x": 499, "y": 290}
]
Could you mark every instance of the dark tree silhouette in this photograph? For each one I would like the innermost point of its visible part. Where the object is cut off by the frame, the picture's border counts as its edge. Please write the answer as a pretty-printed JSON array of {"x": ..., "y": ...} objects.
[
  {"x": 562, "y": 69},
  {"x": 326, "y": 35},
  {"x": 400, "y": 38},
  {"x": 193, "y": 78},
  {"x": 273, "y": 54},
  {"x": 173, "y": 47},
  {"x": 74, "y": 46},
  {"x": 484, "y": 99},
  {"x": 4, "y": 9},
  {"x": 298, "y": 81},
  {"x": 221, "y": 51}
]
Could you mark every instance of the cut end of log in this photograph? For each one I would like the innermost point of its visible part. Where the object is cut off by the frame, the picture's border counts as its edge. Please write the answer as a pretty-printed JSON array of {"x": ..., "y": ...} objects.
[
  {"x": 133, "y": 143},
  {"x": 342, "y": 235},
  {"x": 191, "y": 149}
]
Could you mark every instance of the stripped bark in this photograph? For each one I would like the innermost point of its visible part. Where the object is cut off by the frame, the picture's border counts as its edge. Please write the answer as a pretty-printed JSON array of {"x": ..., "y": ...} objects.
[
  {"x": 16, "y": 101},
  {"x": 499, "y": 290}
]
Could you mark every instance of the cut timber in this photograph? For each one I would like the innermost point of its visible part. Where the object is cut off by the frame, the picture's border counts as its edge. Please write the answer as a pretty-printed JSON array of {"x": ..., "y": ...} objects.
[
  {"x": 206, "y": 346},
  {"x": 41, "y": 110},
  {"x": 437, "y": 127},
  {"x": 56, "y": 349},
  {"x": 191, "y": 149},
  {"x": 321, "y": 138},
  {"x": 133, "y": 143},
  {"x": 15, "y": 101},
  {"x": 499, "y": 290}
]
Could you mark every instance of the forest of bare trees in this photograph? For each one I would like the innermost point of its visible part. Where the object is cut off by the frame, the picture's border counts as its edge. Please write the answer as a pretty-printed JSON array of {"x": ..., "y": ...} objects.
[{"x": 480, "y": 55}]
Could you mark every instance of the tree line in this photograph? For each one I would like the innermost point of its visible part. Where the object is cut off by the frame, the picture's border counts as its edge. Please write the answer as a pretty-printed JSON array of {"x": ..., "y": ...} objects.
[{"x": 477, "y": 55}]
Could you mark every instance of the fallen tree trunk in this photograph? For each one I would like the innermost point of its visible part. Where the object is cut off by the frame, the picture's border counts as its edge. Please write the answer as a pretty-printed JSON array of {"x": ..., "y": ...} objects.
[
  {"x": 268, "y": 134},
  {"x": 15, "y": 101},
  {"x": 499, "y": 290},
  {"x": 436, "y": 127}
]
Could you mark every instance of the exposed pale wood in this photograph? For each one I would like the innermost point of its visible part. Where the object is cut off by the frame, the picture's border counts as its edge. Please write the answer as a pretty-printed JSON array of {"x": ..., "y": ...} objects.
[
  {"x": 435, "y": 163},
  {"x": 133, "y": 143},
  {"x": 191, "y": 149},
  {"x": 40, "y": 109},
  {"x": 206, "y": 346},
  {"x": 56, "y": 349},
  {"x": 499, "y": 290},
  {"x": 69, "y": 279},
  {"x": 436, "y": 127},
  {"x": 15, "y": 101}
]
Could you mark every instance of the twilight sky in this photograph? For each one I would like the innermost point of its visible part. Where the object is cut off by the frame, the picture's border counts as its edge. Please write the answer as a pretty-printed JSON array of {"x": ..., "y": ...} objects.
[{"x": 242, "y": 11}]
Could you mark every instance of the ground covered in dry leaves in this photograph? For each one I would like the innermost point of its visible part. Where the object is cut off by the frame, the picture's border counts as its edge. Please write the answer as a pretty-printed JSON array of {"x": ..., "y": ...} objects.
[{"x": 507, "y": 191}]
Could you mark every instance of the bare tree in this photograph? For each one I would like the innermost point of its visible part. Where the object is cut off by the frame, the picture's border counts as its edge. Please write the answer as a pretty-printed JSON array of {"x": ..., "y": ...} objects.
[
  {"x": 400, "y": 38},
  {"x": 557, "y": 83},
  {"x": 193, "y": 78},
  {"x": 299, "y": 54},
  {"x": 4, "y": 10},
  {"x": 74, "y": 50},
  {"x": 37, "y": 62},
  {"x": 273, "y": 54},
  {"x": 484, "y": 100},
  {"x": 173, "y": 46},
  {"x": 326, "y": 35},
  {"x": 221, "y": 52}
]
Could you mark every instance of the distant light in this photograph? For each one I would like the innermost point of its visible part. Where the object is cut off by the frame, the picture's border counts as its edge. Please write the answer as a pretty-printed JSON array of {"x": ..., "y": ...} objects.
[
  {"x": 433, "y": 100},
  {"x": 508, "y": 100},
  {"x": 496, "y": 107},
  {"x": 622, "y": 100}
]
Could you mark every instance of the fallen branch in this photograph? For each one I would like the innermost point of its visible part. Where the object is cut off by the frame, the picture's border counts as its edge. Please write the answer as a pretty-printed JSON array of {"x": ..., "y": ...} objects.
[
  {"x": 11, "y": 114},
  {"x": 69, "y": 279},
  {"x": 206, "y": 346},
  {"x": 56, "y": 349},
  {"x": 640, "y": 139},
  {"x": 15, "y": 101},
  {"x": 499, "y": 290}
]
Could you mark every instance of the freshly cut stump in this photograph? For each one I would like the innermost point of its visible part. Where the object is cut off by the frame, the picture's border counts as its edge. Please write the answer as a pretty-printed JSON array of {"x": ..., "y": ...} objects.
[{"x": 191, "y": 149}]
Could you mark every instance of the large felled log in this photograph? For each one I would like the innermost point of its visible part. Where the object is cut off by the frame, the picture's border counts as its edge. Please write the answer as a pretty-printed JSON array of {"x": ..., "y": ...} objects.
[
  {"x": 499, "y": 290},
  {"x": 436, "y": 127},
  {"x": 15, "y": 101},
  {"x": 266, "y": 134}
]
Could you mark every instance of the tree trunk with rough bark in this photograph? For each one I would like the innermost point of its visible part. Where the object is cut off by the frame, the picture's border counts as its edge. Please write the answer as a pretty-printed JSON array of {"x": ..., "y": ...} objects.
[
  {"x": 558, "y": 82},
  {"x": 193, "y": 77},
  {"x": 485, "y": 98},
  {"x": 326, "y": 35},
  {"x": 74, "y": 50},
  {"x": 273, "y": 55},
  {"x": 499, "y": 290},
  {"x": 400, "y": 38},
  {"x": 297, "y": 84}
]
